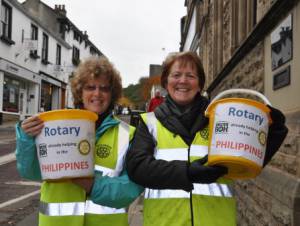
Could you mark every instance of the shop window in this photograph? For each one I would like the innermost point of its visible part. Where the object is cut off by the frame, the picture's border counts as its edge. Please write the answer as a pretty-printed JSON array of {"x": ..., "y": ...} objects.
[
  {"x": 46, "y": 96},
  {"x": 6, "y": 23},
  {"x": 282, "y": 43},
  {"x": 11, "y": 98}
]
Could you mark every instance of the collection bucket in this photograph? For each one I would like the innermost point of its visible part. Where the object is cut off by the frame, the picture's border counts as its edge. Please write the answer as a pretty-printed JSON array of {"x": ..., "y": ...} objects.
[
  {"x": 238, "y": 129},
  {"x": 65, "y": 146}
]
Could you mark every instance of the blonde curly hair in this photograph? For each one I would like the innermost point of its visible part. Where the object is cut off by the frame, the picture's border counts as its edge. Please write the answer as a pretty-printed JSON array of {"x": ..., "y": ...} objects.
[{"x": 93, "y": 68}]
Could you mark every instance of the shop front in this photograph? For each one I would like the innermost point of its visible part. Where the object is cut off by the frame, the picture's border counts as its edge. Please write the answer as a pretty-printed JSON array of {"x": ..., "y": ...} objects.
[
  {"x": 52, "y": 93},
  {"x": 19, "y": 90}
]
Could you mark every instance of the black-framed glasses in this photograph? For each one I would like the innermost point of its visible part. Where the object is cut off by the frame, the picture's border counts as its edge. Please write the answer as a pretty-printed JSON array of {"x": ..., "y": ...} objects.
[{"x": 102, "y": 88}]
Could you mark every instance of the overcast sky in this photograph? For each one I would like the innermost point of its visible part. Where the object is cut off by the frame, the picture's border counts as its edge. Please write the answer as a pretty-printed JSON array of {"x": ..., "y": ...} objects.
[{"x": 133, "y": 34}]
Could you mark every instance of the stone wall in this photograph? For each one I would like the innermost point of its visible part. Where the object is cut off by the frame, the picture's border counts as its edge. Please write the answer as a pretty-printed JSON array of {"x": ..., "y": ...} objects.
[{"x": 273, "y": 197}]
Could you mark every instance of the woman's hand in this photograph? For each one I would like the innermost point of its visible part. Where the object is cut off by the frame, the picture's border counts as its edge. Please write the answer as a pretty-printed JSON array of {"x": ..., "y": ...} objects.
[
  {"x": 200, "y": 173},
  {"x": 85, "y": 183},
  {"x": 32, "y": 126}
]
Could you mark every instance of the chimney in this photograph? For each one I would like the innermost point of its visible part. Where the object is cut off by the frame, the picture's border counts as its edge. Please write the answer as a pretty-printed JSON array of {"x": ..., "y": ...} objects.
[{"x": 60, "y": 9}]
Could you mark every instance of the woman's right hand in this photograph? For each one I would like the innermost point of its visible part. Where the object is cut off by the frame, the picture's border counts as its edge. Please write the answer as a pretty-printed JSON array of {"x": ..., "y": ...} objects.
[{"x": 32, "y": 126}]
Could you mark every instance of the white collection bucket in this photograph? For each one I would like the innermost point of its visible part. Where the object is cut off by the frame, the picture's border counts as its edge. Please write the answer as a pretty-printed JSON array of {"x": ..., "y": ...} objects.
[
  {"x": 65, "y": 147},
  {"x": 238, "y": 129}
]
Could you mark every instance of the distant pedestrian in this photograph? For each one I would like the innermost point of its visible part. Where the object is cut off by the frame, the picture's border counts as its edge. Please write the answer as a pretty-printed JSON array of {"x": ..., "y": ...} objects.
[{"x": 155, "y": 101}]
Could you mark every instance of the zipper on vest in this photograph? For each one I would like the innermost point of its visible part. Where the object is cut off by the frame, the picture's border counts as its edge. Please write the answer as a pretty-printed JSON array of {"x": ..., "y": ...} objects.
[{"x": 191, "y": 193}]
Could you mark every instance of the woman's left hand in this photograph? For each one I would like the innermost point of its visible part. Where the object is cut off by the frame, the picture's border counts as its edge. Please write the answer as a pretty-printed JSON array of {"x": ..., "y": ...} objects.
[
  {"x": 278, "y": 119},
  {"x": 276, "y": 135},
  {"x": 85, "y": 183}
]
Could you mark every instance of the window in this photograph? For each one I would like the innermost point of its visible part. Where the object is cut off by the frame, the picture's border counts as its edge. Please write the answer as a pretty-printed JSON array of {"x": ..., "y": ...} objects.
[
  {"x": 11, "y": 94},
  {"x": 6, "y": 23},
  {"x": 34, "y": 37},
  {"x": 58, "y": 55},
  {"x": 62, "y": 30},
  {"x": 77, "y": 37},
  {"x": 92, "y": 50},
  {"x": 75, "y": 56},
  {"x": 244, "y": 18},
  {"x": 45, "y": 49}
]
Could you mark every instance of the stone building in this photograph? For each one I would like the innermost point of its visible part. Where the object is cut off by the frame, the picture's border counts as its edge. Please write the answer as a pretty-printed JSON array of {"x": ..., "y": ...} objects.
[{"x": 252, "y": 44}]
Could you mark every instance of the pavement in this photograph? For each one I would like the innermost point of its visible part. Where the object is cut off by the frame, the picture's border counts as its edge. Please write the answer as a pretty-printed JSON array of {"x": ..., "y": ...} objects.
[
  {"x": 7, "y": 131},
  {"x": 7, "y": 136}
]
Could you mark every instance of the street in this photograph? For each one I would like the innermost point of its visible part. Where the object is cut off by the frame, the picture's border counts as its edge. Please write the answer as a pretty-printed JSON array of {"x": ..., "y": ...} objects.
[{"x": 19, "y": 198}]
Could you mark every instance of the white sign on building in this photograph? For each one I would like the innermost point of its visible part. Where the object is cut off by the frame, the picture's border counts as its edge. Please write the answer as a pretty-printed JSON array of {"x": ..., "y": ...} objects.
[{"x": 30, "y": 44}]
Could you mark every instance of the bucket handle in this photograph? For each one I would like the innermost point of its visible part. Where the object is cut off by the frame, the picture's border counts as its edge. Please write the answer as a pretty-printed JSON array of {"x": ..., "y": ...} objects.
[{"x": 247, "y": 91}]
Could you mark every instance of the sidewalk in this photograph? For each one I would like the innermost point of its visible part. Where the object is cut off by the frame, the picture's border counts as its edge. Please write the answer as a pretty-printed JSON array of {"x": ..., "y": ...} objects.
[
  {"x": 7, "y": 132},
  {"x": 135, "y": 212}
]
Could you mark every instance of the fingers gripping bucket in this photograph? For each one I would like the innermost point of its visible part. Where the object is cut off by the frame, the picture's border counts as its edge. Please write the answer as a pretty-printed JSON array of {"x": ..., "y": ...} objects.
[
  {"x": 238, "y": 133},
  {"x": 66, "y": 143}
]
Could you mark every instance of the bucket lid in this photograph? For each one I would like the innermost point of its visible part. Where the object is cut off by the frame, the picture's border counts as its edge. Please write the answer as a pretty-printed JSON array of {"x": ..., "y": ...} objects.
[{"x": 68, "y": 114}]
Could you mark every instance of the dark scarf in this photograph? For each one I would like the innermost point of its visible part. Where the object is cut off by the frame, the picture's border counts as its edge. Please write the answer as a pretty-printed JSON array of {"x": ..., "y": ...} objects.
[
  {"x": 186, "y": 120},
  {"x": 102, "y": 116}
]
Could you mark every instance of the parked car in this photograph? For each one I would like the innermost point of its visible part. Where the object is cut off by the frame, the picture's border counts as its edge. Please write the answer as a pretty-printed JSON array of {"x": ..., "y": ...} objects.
[{"x": 125, "y": 111}]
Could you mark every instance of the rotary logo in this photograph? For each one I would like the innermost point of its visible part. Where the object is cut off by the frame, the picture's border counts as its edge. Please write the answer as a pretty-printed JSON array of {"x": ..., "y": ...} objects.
[
  {"x": 204, "y": 133},
  {"x": 84, "y": 147},
  {"x": 103, "y": 150},
  {"x": 262, "y": 138}
]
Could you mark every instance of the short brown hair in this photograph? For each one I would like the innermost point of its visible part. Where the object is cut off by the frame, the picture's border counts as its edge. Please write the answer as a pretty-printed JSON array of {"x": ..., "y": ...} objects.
[
  {"x": 91, "y": 68},
  {"x": 184, "y": 58}
]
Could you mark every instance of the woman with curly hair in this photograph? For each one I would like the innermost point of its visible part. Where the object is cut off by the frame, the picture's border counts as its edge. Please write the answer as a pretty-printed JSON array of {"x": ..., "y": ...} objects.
[{"x": 96, "y": 86}]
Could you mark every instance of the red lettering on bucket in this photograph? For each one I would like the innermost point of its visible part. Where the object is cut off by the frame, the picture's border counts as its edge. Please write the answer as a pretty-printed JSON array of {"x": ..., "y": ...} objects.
[
  {"x": 231, "y": 145},
  {"x": 73, "y": 166}
]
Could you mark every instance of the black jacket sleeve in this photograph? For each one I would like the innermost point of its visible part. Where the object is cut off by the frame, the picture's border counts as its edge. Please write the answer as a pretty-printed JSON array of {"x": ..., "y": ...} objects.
[
  {"x": 144, "y": 169},
  {"x": 276, "y": 135}
]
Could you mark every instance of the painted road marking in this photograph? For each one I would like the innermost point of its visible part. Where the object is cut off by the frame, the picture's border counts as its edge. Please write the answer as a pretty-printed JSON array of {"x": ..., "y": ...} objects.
[
  {"x": 7, "y": 141},
  {"x": 26, "y": 183},
  {"x": 12, "y": 201},
  {"x": 7, "y": 158}
]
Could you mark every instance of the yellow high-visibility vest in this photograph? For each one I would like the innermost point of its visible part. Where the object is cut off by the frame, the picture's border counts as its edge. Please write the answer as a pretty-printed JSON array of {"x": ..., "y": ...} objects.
[{"x": 211, "y": 204}]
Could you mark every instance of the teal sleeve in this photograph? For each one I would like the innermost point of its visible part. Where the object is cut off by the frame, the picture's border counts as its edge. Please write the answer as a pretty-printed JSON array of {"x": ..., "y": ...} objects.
[
  {"x": 117, "y": 192},
  {"x": 27, "y": 161}
]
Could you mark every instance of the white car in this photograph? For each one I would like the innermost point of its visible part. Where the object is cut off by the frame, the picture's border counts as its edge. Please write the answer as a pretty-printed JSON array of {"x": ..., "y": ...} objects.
[{"x": 125, "y": 111}]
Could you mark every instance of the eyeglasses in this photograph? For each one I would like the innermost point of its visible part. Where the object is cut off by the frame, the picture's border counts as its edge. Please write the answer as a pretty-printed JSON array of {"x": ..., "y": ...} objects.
[
  {"x": 102, "y": 88},
  {"x": 178, "y": 75}
]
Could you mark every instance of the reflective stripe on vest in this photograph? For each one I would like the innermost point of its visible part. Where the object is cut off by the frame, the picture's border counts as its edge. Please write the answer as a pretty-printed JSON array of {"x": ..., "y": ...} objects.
[
  {"x": 62, "y": 209},
  {"x": 180, "y": 153},
  {"x": 213, "y": 189},
  {"x": 151, "y": 124},
  {"x": 123, "y": 142},
  {"x": 76, "y": 209},
  {"x": 93, "y": 208}
]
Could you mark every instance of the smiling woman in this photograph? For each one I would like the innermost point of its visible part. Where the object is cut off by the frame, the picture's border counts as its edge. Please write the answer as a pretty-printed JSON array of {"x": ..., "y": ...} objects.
[
  {"x": 170, "y": 146},
  {"x": 96, "y": 86}
]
